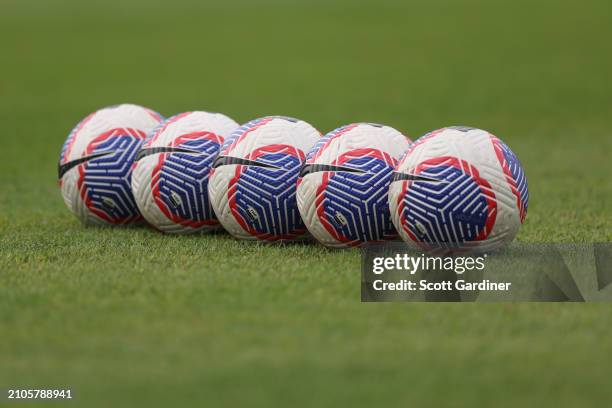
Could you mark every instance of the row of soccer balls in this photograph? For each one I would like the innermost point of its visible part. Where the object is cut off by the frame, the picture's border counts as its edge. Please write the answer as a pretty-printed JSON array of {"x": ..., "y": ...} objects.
[{"x": 276, "y": 178}]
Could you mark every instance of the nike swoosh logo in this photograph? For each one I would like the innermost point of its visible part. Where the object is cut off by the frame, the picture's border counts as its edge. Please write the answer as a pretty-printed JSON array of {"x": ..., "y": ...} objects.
[
  {"x": 227, "y": 160},
  {"x": 165, "y": 149},
  {"x": 411, "y": 177},
  {"x": 66, "y": 167},
  {"x": 315, "y": 168}
]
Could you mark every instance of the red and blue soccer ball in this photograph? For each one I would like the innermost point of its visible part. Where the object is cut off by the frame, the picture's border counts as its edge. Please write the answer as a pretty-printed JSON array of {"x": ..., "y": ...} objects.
[
  {"x": 252, "y": 185},
  {"x": 170, "y": 175},
  {"x": 342, "y": 189},
  {"x": 95, "y": 165},
  {"x": 458, "y": 188}
]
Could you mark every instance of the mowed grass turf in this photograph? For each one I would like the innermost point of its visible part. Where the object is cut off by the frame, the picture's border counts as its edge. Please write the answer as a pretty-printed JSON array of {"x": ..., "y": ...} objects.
[{"x": 129, "y": 317}]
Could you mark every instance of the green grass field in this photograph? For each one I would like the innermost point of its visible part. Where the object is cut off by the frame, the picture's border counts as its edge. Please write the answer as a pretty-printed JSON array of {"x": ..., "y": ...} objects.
[{"x": 130, "y": 317}]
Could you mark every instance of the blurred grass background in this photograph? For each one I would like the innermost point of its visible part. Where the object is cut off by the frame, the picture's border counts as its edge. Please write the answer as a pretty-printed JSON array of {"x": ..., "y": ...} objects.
[{"x": 129, "y": 317}]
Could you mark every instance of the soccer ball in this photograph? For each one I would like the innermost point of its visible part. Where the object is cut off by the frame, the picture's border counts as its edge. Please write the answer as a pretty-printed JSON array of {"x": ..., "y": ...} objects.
[
  {"x": 95, "y": 165},
  {"x": 170, "y": 176},
  {"x": 342, "y": 189},
  {"x": 458, "y": 188},
  {"x": 253, "y": 181}
]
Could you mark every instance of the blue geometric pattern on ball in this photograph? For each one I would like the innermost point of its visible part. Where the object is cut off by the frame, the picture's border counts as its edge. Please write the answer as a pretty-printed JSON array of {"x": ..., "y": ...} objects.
[
  {"x": 454, "y": 211},
  {"x": 108, "y": 178},
  {"x": 266, "y": 197},
  {"x": 71, "y": 137},
  {"x": 68, "y": 141},
  {"x": 356, "y": 204},
  {"x": 517, "y": 173},
  {"x": 183, "y": 181}
]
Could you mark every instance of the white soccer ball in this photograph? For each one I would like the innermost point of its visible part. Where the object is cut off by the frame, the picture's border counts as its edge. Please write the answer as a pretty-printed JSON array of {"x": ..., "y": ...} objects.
[
  {"x": 95, "y": 165},
  {"x": 342, "y": 189},
  {"x": 170, "y": 176},
  {"x": 253, "y": 181},
  {"x": 458, "y": 188}
]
